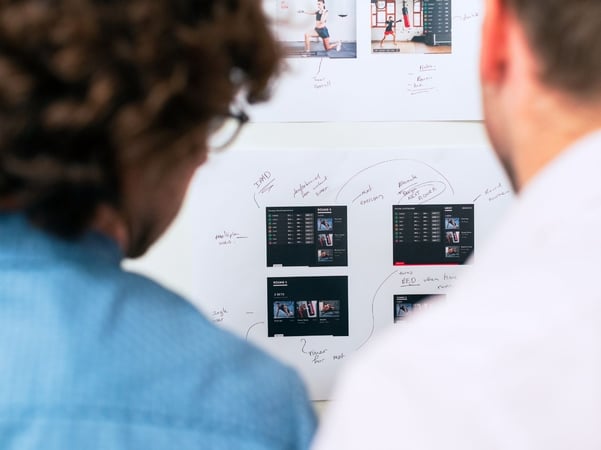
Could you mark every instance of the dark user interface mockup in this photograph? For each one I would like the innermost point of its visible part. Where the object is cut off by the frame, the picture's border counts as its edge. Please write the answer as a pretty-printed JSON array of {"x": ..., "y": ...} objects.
[
  {"x": 307, "y": 306},
  {"x": 408, "y": 304},
  {"x": 306, "y": 236},
  {"x": 432, "y": 234}
]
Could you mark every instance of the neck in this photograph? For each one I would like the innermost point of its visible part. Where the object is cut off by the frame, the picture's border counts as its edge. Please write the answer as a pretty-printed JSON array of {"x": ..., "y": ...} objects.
[
  {"x": 549, "y": 123},
  {"x": 110, "y": 223},
  {"x": 529, "y": 121}
]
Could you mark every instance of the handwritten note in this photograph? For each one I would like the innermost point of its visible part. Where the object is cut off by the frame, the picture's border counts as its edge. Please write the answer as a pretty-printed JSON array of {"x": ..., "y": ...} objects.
[
  {"x": 218, "y": 315},
  {"x": 418, "y": 182},
  {"x": 317, "y": 356},
  {"x": 493, "y": 193},
  {"x": 408, "y": 279},
  {"x": 422, "y": 80},
  {"x": 315, "y": 185},
  {"x": 440, "y": 282},
  {"x": 421, "y": 192},
  {"x": 466, "y": 17},
  {"x": 263, "y": 185},
  {"x": 320, "y": 80},
  {"x": 368, "y": 196},
  {"x": 228, "y": 237}
]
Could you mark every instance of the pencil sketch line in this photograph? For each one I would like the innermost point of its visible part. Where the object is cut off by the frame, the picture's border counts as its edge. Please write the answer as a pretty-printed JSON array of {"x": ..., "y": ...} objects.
[
  {"x": 373, "y": 317},
  {"x": 251, "y": 327}
]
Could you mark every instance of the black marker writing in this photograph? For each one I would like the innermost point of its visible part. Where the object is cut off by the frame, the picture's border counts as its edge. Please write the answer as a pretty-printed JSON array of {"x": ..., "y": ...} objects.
[{"x": 317, "y": 356}]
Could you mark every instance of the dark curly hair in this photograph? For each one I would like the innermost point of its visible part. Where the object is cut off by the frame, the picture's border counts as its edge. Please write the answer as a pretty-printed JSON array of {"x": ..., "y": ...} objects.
[{"x": 89, "y": 85}]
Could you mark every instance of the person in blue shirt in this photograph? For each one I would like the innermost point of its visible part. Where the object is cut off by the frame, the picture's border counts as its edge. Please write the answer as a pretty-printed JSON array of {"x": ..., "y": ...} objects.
[{"x": 107, "y": 107}]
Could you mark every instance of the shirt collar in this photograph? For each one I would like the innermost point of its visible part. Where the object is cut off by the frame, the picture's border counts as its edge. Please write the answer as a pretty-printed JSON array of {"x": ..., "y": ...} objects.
[{"x": 19, "y": 238}]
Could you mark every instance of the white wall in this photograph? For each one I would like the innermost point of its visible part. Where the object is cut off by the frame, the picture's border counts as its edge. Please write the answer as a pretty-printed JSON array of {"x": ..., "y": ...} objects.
[
  {"x": 177, "y": 262},
  {"x": 353, "y": 117},
  {"x": 169, "y": 261}
]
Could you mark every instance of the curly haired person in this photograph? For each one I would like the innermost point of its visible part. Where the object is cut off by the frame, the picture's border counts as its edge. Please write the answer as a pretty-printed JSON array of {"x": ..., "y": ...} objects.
[{"x": 107, "y": 108}]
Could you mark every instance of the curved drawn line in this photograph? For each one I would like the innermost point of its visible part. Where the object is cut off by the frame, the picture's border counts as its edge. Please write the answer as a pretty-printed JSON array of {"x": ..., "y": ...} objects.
[
  {"x": 304, "y": 341},
  {"x": 373, "y": 318},
  {"x": 319, "y": 67},
  {"x": 256, "y": 202},
  {"x": 388, "y": 161},
  {"x": 250, "y": 328}
]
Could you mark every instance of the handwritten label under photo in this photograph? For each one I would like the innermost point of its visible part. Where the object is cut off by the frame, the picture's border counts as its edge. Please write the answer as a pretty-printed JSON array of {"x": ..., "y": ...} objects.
[
  {"x": 423, "y": 80},
  {"x": 321, "y": 82}
]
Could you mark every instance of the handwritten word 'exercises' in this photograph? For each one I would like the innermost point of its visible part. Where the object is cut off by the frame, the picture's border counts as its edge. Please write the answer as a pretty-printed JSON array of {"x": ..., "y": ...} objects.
[{"x": 310, "y": 258}]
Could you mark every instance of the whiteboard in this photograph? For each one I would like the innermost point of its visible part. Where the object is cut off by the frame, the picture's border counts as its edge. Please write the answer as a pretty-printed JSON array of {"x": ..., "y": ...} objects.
[
  {"x": 360, "y": 131},
  {"x": 218, "y": 248}
]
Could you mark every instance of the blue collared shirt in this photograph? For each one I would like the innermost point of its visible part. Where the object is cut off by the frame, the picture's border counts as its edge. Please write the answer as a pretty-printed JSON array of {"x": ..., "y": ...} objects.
[{"x": 93, "y": 357}]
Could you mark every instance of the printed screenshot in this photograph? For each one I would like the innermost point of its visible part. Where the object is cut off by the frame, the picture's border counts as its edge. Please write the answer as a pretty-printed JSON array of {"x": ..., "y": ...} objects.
[
  {"x": 404, "y": 305},
  {"x": 307, "y": 306},
  {"x": 310, "y": 236},
  {"x": 432, "y": 234}
]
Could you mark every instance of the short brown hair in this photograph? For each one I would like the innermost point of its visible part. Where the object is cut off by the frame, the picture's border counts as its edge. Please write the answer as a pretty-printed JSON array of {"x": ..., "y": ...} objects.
[
  {"x": 565, "y": 34},
  {"x": 88, "y": 84}
]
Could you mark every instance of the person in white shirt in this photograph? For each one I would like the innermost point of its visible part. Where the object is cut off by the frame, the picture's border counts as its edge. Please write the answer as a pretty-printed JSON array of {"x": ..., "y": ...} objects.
[{"x": 512, "y": 358}]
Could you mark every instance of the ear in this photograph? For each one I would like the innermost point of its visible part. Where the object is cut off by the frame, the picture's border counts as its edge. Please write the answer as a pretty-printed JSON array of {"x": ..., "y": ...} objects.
[{"x": 494, "y": 47}]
